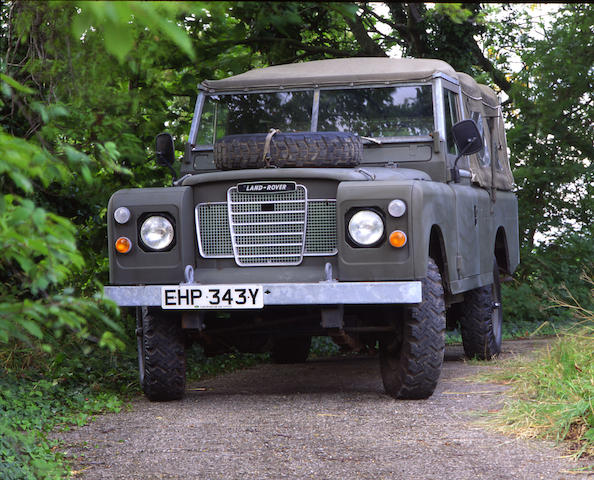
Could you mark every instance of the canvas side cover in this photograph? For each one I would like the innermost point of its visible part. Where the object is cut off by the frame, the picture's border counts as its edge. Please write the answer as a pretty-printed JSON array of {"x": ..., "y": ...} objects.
[{"x": 480, "y": 99}]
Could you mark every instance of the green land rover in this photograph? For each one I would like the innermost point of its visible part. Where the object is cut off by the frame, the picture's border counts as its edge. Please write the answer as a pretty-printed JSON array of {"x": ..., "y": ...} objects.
[{"x": 365, "y": 199}]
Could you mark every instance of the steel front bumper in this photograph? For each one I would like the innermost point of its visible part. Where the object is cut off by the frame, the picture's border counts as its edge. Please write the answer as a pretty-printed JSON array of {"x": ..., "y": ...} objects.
[{"x": 323, "y": 293}]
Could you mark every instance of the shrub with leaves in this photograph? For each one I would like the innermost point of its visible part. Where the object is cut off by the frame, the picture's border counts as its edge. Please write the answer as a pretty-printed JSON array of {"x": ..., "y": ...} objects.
[{"x": 39, "y": 252}]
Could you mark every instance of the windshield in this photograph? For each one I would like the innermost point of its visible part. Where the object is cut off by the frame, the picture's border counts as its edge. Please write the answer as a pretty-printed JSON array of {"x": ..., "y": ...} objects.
[
  {"x": 368, "y": 112},
  {"x": 377, "y": 112},
  {"x": 254, "y": 113}
]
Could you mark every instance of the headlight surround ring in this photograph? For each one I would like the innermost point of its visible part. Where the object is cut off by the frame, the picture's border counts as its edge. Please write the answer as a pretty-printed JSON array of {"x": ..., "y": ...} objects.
[
  {"x": 157, "y": 233},
  {"x": 365, "y": 228}
]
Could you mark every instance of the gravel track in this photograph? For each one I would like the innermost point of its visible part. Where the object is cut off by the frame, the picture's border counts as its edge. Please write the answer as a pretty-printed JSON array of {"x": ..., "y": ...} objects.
[{"x": 326, "y": 419}]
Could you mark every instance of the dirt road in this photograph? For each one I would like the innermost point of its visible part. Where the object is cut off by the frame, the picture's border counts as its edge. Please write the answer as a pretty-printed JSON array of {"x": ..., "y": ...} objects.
[{"x": 326, "y": 419}]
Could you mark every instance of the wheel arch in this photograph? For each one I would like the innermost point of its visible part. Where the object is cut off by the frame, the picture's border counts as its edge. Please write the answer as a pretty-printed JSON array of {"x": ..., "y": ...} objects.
[
  {"x": 501, "y": 250},
  {"x": 438, "y": 251}
]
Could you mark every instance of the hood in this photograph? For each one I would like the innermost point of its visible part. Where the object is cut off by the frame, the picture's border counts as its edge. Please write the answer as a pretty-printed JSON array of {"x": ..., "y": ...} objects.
[{"x": 339, "y": 174}]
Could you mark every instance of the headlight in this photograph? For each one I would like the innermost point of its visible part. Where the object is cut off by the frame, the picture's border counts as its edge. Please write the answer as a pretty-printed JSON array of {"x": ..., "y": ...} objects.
[
  {"x": 366, "y": 228},
  {"x": 156, "y": 232}
]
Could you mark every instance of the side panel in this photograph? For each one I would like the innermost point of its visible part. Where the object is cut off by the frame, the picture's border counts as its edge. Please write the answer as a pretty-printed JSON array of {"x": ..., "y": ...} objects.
[
  {"x": 471, "y": 217},
  {"x": 434, "y": 204},
  {"x": 142, "y": 267},
  {"x": 506, "y": 216}
]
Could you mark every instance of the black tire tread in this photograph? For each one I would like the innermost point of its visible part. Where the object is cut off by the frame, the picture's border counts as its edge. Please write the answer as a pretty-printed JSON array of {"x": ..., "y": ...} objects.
[
  {"x": 289, "y": 150},
  {"x": 164, "y": 357},
  {"x": 476, "y": 323},
  {"x": 413, "y": 371}
]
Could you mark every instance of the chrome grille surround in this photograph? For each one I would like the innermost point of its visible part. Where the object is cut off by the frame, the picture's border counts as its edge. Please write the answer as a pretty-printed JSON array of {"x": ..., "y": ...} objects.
[{"x": 276, "y": 228}]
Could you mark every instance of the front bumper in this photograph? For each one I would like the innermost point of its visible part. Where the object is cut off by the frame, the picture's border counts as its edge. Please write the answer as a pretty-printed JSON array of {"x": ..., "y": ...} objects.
[{"x": 322, "y": 293}]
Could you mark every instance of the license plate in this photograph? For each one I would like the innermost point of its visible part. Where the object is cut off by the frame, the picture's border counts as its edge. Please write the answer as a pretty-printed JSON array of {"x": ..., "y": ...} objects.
[{"x": 189, "y": 297}]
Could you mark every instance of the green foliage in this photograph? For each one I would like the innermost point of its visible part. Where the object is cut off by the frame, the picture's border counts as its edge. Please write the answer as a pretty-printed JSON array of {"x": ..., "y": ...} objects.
[
  {"x": 40, "y": 392},
  {"x": 200, "y": 367},
  {"x": 550, "y": 271},
  {"x": 551, "y": 138},
  {"x": 119, "y": 21},
  {"x": 323, "y": 347},
  {"x": 553, "y": 395},
  {"x": 39, "y": 251},
  {"x": 29, "y": 411},
  {"x": 86, "y": 86}
]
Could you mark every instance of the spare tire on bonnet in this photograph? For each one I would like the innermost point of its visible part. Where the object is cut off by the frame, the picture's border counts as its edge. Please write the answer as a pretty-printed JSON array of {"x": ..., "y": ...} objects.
[{"x": 288, "y": 150}]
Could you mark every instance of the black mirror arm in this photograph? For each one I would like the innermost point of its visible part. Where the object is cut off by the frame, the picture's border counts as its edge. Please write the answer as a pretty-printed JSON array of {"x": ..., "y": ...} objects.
[
  {"x": 173, "y": 173},
  {"x": 161, "y": 160},
  {"x": 455, "y": 172}
]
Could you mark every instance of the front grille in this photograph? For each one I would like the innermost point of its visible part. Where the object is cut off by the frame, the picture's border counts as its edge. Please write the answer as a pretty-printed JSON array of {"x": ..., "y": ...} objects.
[
  {"x": 260, "y": 222},
  {"x": 214, "y": 238},
  {"x": 267, "y": 228}
]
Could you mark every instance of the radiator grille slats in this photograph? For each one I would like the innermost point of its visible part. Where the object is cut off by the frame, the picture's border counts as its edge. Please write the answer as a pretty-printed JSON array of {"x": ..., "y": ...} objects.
[
  {"x": 276, "y": 228},
  {"x": 272, "y": 212}
]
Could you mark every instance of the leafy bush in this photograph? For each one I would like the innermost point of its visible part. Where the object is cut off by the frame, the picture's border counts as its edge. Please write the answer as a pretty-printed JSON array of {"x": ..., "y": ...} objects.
[
  {"x": 40, "y": 391},
  {"x": 39, "y": 252},
  {"x": 551, "y": 270}
]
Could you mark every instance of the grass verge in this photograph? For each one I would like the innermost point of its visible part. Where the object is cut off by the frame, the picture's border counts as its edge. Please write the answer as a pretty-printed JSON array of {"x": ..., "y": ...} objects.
[{"x": 552, "y": 396}]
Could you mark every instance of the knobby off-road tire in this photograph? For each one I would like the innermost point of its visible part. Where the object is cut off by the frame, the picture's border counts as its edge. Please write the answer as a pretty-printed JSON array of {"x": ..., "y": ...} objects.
[
  {"x": 411, "y": 359},
  {"x": 164, "y": 357},
  {"x": 291, "y": 350},
  {"x": 481, "y": 318},
  {"x": 289, "y": 150}
]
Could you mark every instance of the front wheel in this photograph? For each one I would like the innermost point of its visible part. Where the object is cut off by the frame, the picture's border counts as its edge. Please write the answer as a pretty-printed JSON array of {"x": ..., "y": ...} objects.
[
  {"x": 481, "y": 318},
  {"x": 411, "y": 358},
  {"x": 162, "y": 357}
]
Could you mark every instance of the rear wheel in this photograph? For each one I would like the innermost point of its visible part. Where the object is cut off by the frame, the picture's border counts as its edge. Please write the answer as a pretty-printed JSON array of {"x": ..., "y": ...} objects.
[
  {"x": 291, "y": 349},
  {"x": 412, "y": 357},
  {"x": 162, "y": 356},
  {"x": 481, "y": 319}
]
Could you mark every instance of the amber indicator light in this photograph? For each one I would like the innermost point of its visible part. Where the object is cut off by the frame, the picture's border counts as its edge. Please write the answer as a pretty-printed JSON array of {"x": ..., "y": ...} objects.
[
  {"x": 398, "y": 239},
  {"x": 123, "y": 245}
]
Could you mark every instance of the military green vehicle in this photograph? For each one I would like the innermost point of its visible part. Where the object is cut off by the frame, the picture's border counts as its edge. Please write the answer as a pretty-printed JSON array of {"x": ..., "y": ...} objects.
[{"x": 365, "y": 199}]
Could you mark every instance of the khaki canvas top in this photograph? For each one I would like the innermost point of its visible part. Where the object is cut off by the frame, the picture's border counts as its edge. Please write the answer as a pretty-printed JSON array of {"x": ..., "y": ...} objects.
[{"x": 338, "y": 71}]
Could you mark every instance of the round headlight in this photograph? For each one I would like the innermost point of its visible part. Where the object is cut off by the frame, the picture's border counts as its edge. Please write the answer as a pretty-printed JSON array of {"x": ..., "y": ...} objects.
[
  {"x": 366, "y": 227},
  {"x": 397, "y": 208},
  {"x": 156, "y": 232}
]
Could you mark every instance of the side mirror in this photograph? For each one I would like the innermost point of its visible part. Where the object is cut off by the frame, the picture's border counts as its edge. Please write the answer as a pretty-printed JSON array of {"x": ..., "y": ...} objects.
[
  {"x": 165, "y": 149},
  {"x": 467, "y": 137},
  {"x": 468, "y": 140}
]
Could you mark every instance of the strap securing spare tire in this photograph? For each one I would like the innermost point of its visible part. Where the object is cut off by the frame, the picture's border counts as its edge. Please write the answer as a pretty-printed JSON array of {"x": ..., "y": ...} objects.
[{"x": 266, "y": 156}]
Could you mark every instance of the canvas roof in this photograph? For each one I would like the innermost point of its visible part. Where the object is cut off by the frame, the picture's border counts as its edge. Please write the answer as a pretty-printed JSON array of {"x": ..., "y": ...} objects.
[{"x": 339, "y": 71}]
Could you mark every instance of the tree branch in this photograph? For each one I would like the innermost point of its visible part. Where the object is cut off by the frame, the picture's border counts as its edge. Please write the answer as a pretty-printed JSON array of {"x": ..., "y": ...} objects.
[
  {"x": 399, "y": 27},
  {"x": 367, "y": 44},
  {"x": 497, "y": 75}
]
